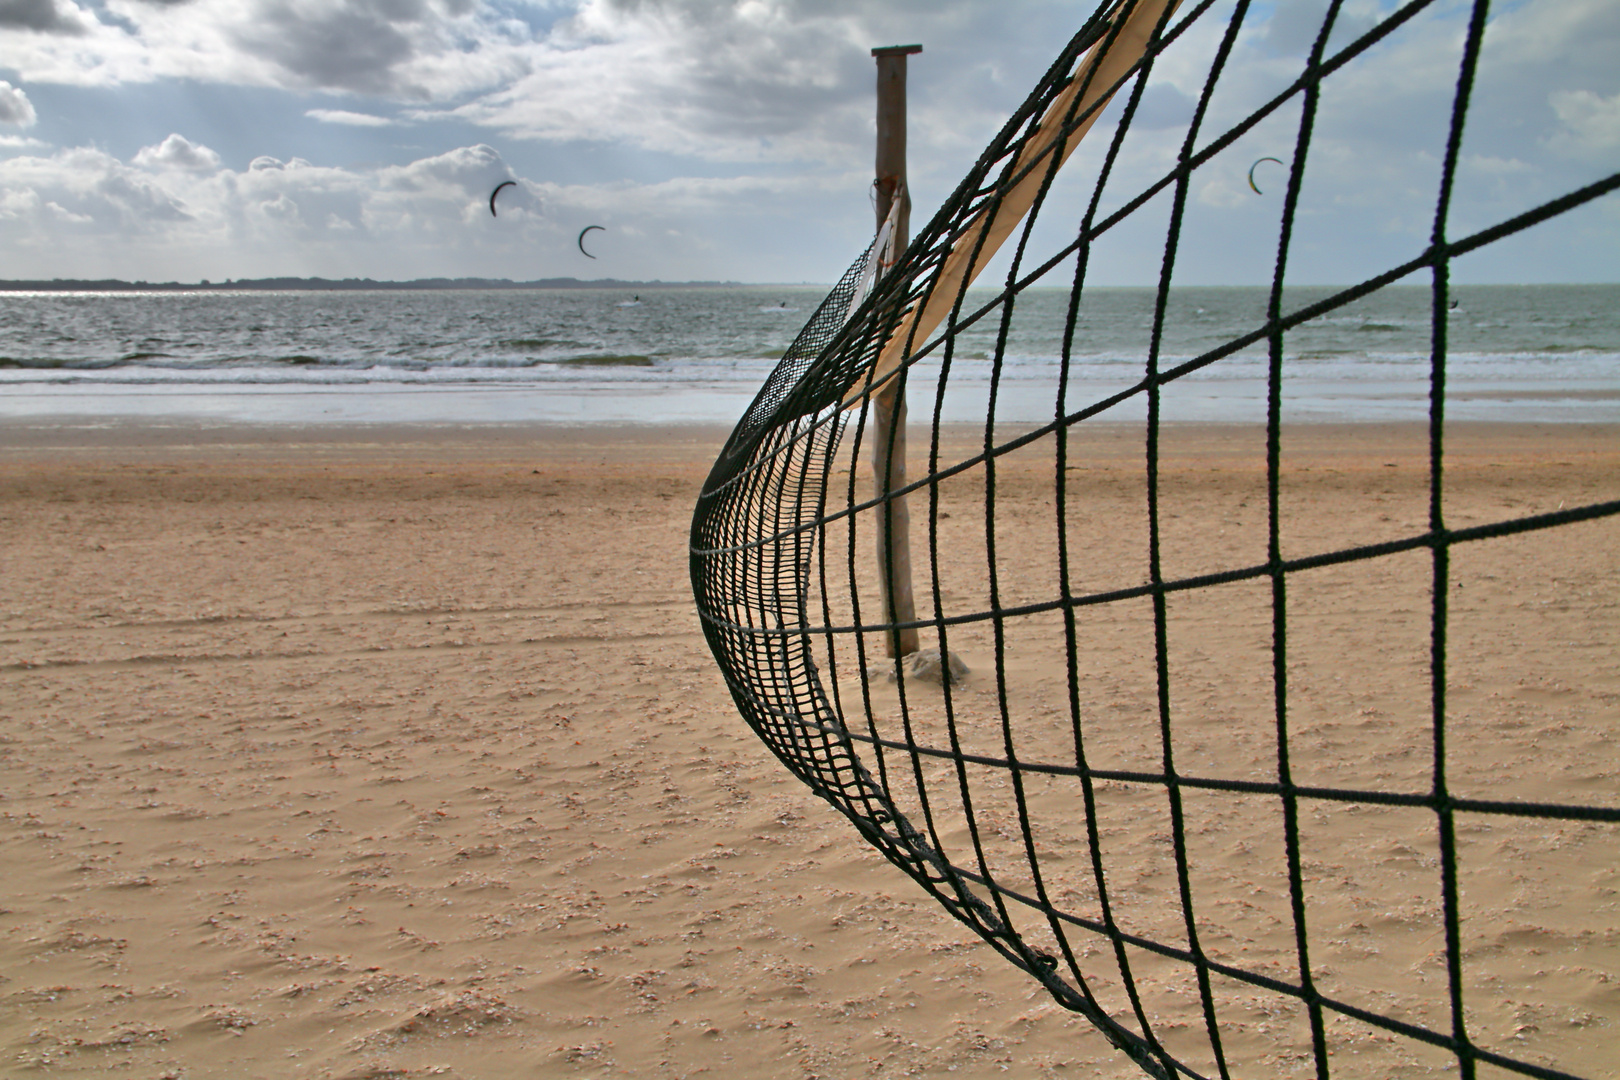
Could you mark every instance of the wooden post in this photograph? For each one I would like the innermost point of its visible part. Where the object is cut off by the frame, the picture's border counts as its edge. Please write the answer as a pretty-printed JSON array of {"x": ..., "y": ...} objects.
[{"x": 889, "y": 405}]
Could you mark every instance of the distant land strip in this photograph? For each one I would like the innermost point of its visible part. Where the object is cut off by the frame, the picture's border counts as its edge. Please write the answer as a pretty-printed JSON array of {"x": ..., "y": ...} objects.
[{"x": 316, "y": 284}]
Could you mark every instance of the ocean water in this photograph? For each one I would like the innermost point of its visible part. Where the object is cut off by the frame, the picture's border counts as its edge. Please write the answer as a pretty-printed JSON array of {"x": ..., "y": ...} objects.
[{"x": 1530, "y": 353}]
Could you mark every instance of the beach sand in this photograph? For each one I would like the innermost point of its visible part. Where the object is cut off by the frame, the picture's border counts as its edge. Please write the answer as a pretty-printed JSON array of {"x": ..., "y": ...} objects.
[{"x": 398, "y": 752}]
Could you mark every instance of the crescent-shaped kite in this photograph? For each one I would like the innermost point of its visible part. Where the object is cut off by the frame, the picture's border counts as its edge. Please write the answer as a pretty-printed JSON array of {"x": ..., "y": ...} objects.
[
  {"x": 1255, "y": 166},
  {"x": 497, "y": 191},
  {"x": 581, "y": 240}
]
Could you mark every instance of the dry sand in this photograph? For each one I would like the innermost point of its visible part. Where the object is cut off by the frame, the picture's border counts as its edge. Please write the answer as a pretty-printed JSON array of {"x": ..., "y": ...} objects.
[{"x": 398, "y": 753}]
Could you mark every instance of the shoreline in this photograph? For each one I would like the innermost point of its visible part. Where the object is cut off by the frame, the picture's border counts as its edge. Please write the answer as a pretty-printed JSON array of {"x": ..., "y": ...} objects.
[
  {"x": 90, "y": 433},
  {"x": 25, "y": 439},
  {"x": 720, "y": 403}
]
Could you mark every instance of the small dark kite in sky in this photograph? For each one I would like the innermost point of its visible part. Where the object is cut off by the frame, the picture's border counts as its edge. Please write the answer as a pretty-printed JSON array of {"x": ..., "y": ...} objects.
[
  {"x": 581, "y": 240},
  {"x": 497, "y": 191},
  {"x": 1255, "y": 166}
]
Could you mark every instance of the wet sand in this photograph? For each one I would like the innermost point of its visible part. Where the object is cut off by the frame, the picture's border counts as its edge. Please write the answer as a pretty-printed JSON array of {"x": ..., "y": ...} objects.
[{"x": 397, "y": 752}]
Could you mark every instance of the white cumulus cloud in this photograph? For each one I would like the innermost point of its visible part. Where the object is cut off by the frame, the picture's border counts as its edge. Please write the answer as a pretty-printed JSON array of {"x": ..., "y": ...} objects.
[
  {"x": 83, "y": 213},
  {"x": 15, "y": 108},
  {"x": 177, "y": 152},
  {"x": 349, "y": 119}
]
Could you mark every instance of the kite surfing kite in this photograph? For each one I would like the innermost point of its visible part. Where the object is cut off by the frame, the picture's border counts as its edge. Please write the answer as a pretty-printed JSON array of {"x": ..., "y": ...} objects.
[
  {"x": 1255, "y": 166},
  {"x": 581, "y": 240},
  {"x": 497, "y": 191}
]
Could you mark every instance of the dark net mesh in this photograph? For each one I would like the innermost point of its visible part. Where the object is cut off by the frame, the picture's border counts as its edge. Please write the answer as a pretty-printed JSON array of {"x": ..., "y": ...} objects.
[{"x": 1149, "y": 794}]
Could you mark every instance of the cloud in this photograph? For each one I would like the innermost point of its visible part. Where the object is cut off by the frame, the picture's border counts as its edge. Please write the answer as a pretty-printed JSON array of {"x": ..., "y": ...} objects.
[
  {"x": 677, "y": 91},
  {"x": 714, "y": 80},
  {"x": 415, "y": 50},
  {"x": 83, "y": 213},
  {"x": 176, "y": 152},
  {"x": 43, "y": 16},
  {"x": 351, "y": 119},
  {"x": 1590, "y": 123},
  {"x": 1163, "y": 106},
  {"x": 758, "y": 80},
  {"x": 1295, "y": 25},
  {"x": 735, "y": 80},
  {"x": 87, "y": 189},
  {"x": 15, "y": 108},
  {"x": 335, "y": 44},
  {"x": 768, "y": 80},
  {"x": 471, "y": 168}
]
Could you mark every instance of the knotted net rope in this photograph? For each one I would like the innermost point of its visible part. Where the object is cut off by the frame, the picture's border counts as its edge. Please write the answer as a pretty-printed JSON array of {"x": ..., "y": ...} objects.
[{"x": 1010, "y": 807}]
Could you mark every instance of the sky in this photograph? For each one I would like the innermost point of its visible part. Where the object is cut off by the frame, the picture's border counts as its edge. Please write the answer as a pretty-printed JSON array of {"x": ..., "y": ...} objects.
[{"x": 732, "y": 139}]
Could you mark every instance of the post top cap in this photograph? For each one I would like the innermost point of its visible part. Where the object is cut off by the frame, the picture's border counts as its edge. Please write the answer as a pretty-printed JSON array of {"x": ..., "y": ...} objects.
[{"x": 896, "y": 50}]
